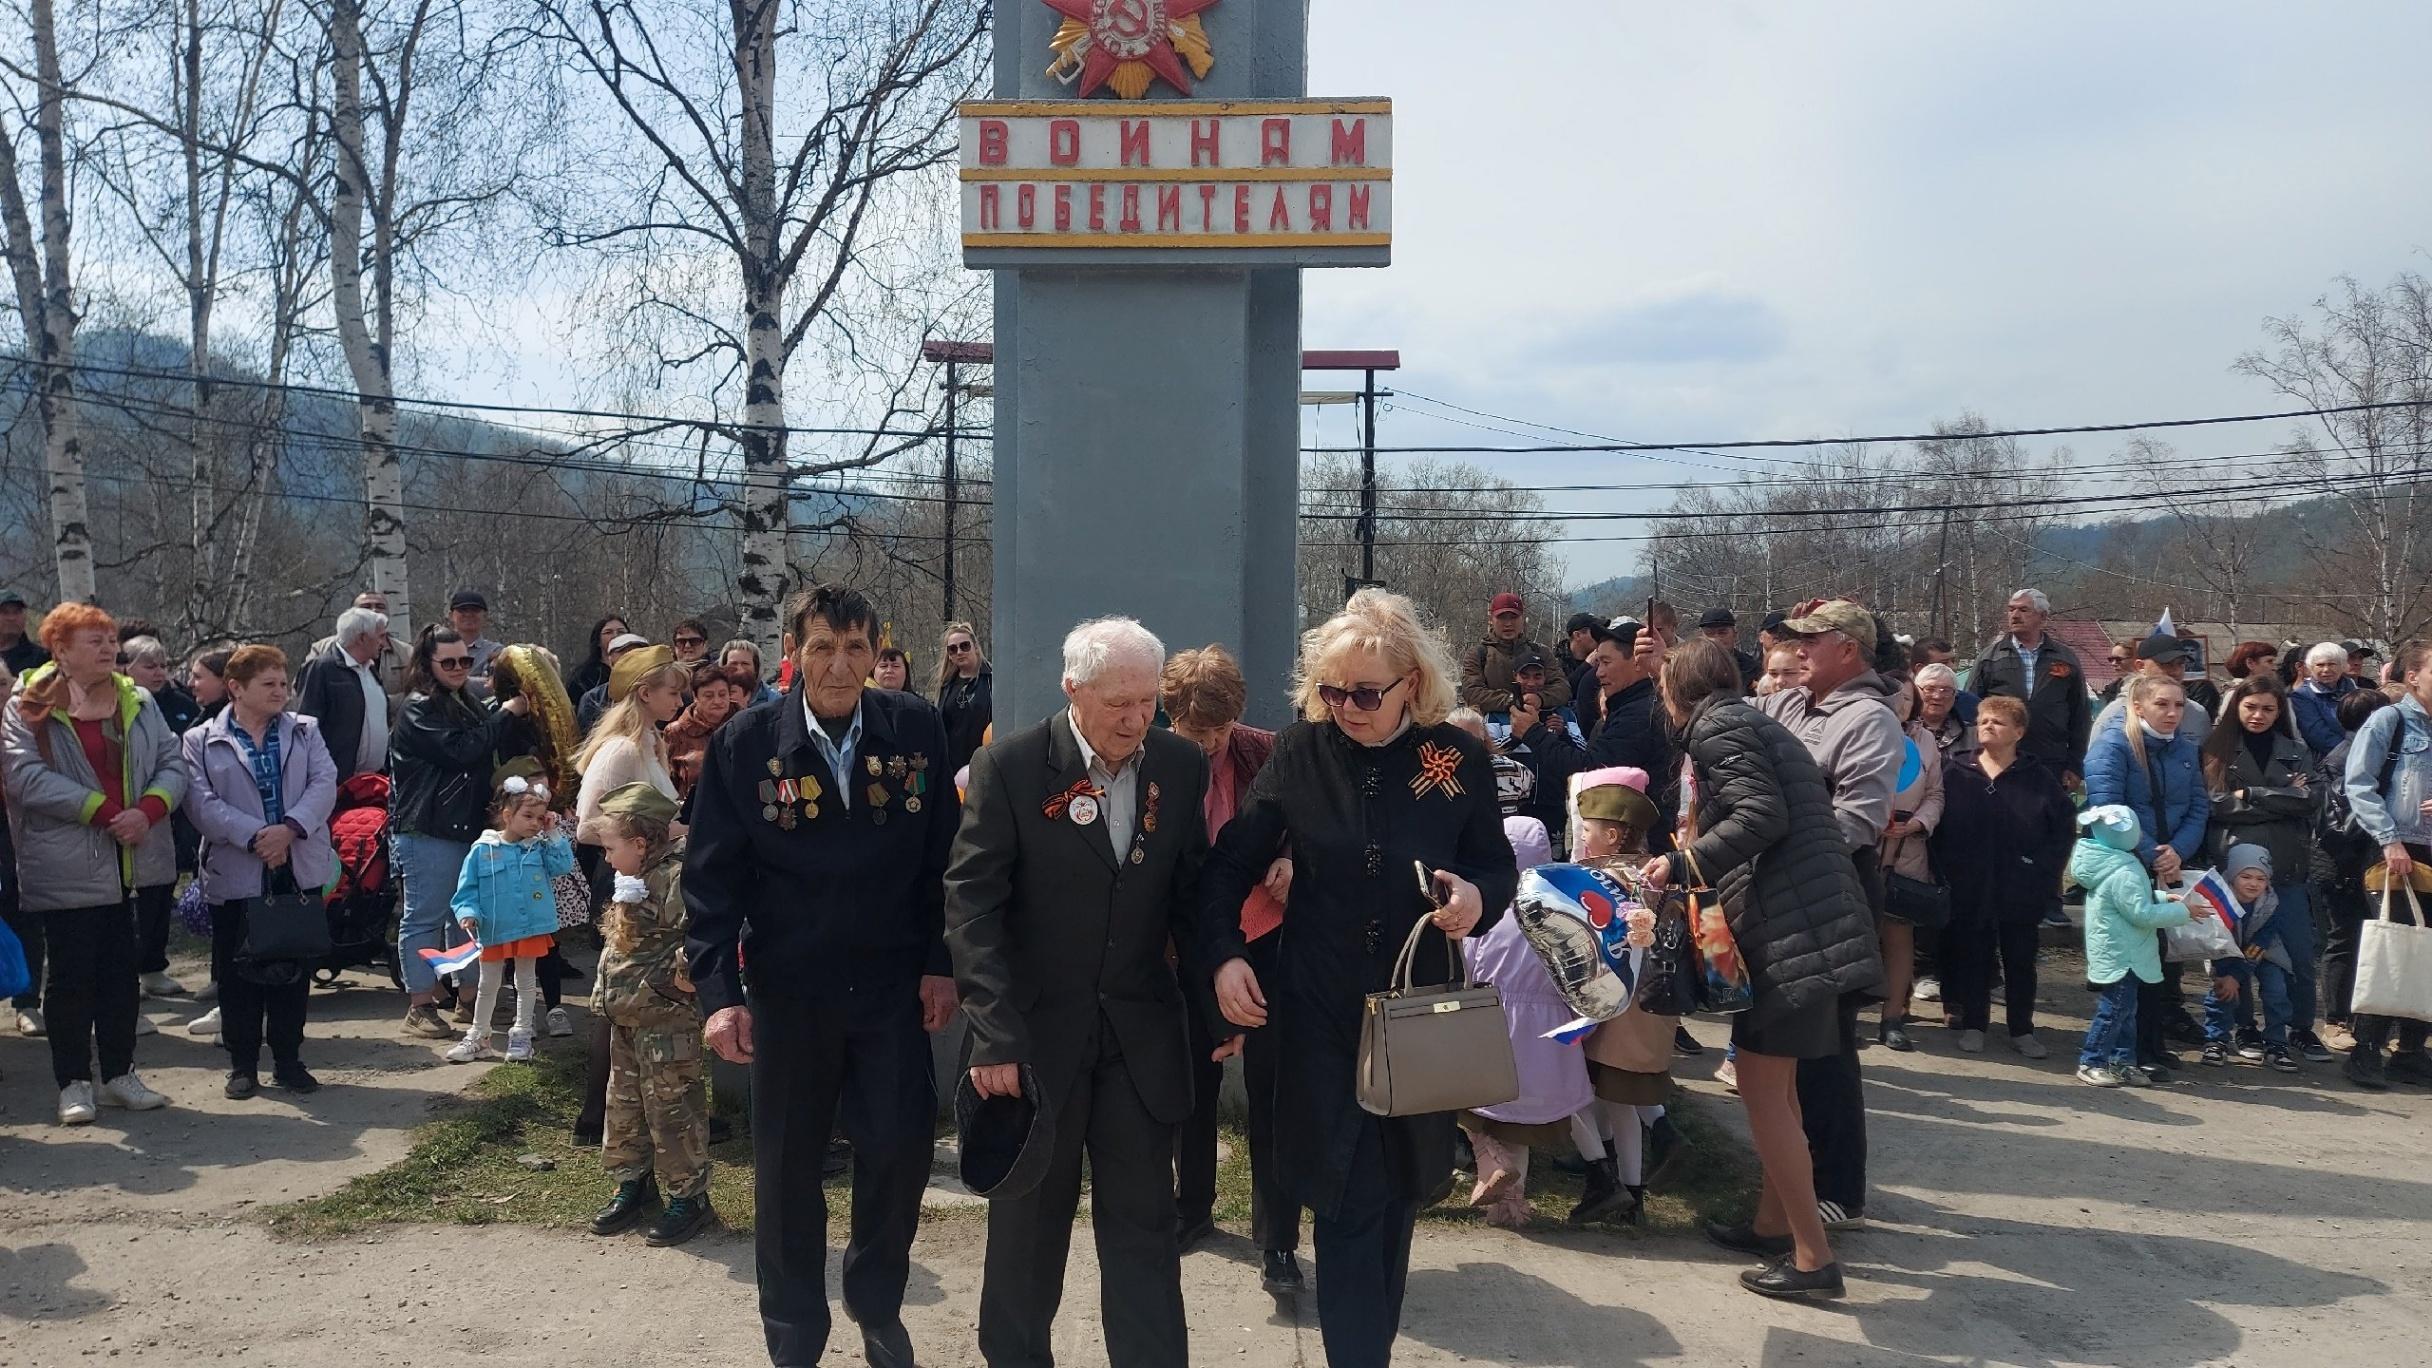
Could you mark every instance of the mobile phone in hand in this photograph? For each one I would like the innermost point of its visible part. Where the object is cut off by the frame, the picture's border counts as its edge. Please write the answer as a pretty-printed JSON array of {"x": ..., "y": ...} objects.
[{"x": 1427, "y": 884}]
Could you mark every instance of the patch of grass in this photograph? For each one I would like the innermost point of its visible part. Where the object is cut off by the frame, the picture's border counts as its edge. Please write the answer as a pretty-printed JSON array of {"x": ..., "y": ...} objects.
[
  {"x": 466, "y": 1166},
  {"x": 1715, "y": 1178}
]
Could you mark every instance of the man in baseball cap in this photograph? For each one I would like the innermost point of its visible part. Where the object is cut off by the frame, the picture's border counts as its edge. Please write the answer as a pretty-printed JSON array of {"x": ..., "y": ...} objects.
[
  {"x": 19, "y": 650},
  {"x": 2165, "y": 657},
  {"x": 1719, "y": 624},
  {"x": 469, "y": 614},
  {"x": 1486, "y": 671}
]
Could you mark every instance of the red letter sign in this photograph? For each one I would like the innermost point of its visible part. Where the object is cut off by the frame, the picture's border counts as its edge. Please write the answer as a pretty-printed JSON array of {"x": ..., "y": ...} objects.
[
  {"x": 1064, "y": 142},
  {"x": 992, "y": 142},
  {"x": 1135, "y": 142},
  {"x": 1275, "y": 142},
  {"x": 1351, "y": 144}
]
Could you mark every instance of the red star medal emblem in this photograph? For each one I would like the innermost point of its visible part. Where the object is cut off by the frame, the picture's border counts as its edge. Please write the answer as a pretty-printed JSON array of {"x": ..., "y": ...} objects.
[{"x": 1123, "y": 43}]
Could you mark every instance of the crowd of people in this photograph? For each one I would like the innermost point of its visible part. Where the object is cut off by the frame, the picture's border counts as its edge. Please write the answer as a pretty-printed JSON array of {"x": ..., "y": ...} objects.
[{"x": 811, "y": 872}]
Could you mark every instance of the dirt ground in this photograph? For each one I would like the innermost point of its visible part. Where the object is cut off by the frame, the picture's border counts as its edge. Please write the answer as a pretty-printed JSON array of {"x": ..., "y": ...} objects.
[{"x": 2018, "y": 1218}]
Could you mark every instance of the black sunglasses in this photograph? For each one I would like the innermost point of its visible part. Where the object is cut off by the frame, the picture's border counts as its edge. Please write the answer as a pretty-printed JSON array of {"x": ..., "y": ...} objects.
[
  {"x": 1366, "y": 699},
  {"x": 464, "y": 662},
  {"x": 692, "y": 641},
  {"x": 959, "y": 647}
]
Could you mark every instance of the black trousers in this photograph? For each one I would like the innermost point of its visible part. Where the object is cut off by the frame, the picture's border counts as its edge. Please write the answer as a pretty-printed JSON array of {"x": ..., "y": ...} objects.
[
  {"x": 93, "y": 994},
  {"x": 1274, "y": 1211},
  {"x": 1131, "y": 1212},
  {"x": 2346, "y": 908},
  {"x": 1970, "y": 946},
  {"x": 246, "y": 1007},
  {"x": 152, "y": 907},
  {"x": 1832, "y": 1102},
  {"x": 1195, "y": 1138},
  {"x": 1363, "y": 1259},
  {"x": 861, "y": 1057}
]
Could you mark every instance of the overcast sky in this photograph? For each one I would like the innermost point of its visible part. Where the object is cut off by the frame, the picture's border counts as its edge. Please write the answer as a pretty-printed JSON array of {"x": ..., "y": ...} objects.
[{"x": 1715, "y": 220}]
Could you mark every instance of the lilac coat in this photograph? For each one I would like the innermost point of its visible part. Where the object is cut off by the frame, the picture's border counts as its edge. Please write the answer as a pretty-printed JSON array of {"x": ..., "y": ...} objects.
[
  {"x": 226, "y": 808},
  {"x": 1553, "y": 1076}
]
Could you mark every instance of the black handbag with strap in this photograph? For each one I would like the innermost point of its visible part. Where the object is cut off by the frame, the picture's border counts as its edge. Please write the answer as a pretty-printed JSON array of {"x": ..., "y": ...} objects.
[
  {"x": 1919, "y": 902},
  {"x": 286, "y": 933}
]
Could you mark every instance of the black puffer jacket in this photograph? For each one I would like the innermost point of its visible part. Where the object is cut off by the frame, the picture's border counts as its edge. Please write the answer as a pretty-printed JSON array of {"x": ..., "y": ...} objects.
[{"x": 1768, "y": 841}]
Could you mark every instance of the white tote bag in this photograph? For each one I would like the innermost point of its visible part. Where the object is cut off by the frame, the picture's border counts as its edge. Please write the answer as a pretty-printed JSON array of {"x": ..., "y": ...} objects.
[{"x": 2394, "y": 962}]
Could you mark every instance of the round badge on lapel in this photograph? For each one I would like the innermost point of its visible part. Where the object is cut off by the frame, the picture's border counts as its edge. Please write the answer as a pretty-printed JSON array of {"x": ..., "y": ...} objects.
[{"x": 1084, "y": 810}]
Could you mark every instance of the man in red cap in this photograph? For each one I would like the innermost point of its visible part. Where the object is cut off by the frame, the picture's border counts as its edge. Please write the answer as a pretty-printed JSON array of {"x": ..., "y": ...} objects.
[{"x": 1486, "y": 672}]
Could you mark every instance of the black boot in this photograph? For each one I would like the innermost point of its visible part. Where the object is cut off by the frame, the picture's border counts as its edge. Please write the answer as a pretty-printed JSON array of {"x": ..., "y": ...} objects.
[
  {"x": 633, "y": 1200},
  {"x": 1638, "y": 1204},
  {"x": 684, "y": 1218},
  {"x": 2364, "y": 1070},
  {"x": 1605, "y": 1197},
  {"x": 1664, "y": 1145}
]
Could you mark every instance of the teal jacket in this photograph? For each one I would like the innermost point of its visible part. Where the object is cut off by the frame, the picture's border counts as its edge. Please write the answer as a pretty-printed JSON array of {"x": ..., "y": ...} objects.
[
  {"x": 505, "y": 887},
  {"x": 2122, "y": 914}
]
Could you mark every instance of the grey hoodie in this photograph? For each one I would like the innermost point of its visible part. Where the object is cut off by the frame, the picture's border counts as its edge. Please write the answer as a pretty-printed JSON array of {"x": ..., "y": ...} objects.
[{"x": 1856, "y": 742}]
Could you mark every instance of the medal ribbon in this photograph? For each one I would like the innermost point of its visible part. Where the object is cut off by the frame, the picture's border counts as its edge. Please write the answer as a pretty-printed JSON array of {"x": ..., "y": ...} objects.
[
  {"x": 1439, "y": 767},
  {"x": 1057, "y": 806}
]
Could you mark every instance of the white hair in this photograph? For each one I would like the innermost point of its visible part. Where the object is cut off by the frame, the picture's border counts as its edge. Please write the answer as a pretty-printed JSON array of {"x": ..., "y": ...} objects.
[
  {"x": 1099, "y": 644},
  {"x": 147, "y": 650},
  {"x": 360, "y": 624},
  {"x": 1937, "y": 674},
  {"x": 2327, "y": 652},
  {"x": 2034, "y": 597}
]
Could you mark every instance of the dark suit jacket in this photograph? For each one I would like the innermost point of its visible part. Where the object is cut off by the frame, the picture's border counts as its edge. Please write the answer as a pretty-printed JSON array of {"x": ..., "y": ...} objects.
[
  {"x": 1051, "y": 932},
  {"x": 845, "y": 899},
  {"x": 330, "y": 692}
]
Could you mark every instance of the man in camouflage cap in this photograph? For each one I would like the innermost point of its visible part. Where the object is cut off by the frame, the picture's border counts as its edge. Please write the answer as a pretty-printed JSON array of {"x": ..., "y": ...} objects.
[{"x": 658, "y": 1107}]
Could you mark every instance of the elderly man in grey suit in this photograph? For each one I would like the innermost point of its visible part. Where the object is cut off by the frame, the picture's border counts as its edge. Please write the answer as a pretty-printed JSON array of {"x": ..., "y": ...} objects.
[{"x": 1076, "y": 868}]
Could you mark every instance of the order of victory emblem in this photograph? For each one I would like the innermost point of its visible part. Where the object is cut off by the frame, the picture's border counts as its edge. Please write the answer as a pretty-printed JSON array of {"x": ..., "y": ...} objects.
[{"x": 1122, "y": 44}]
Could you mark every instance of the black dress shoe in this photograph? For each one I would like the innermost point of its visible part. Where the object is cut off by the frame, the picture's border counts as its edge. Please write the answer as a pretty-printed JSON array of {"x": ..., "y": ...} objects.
[
  {"x": 684, "y": 1218},
  {"x": 887, "y": 1346},
  {"x": 1279, "y": 1273},
  {"x": 1191, "y": 1231},
  {"x": 587, "y": 1137},
  {"x": 295, "y": 1078},
  {"x": 241, "y": 1086},
  {"x": 721, "y": 1130},
  {"x": 1784, "y": 1281},
  {"x": 1743, "y": 1239},
  {"x": 1684, "y": 1043},
  {"x": 633, "y": 1200}
]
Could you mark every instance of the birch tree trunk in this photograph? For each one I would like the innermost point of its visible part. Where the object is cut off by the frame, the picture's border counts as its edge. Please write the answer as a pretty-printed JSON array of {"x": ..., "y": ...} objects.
[
  {"x": 54, "y": 340},
  {"x": 367, "y": 357},
  {"x": 199, "y": 291},
  {"x": 767, "y": 572}
]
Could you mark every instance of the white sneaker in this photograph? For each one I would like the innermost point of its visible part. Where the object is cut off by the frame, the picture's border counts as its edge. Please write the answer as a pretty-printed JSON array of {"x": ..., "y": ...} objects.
[
  {"x": 1971, "y": 1042},
  {"x": 519, "y": 1046},
  {"x": 128, "y": 1091},
  {"x": 76, "y": 1105},
  {"x": 206, "y": 1024},
  {"x": 144, "y": 1025},
  {"x": 161, "y": 985},
  {"x": 31, "y": 1025},
  {"x": 2028, "y": 1046},
  {"x": 475, "y": 1045},
  {"x": 560, "y": 1025},
  {"x": 1928, "y": 989}
]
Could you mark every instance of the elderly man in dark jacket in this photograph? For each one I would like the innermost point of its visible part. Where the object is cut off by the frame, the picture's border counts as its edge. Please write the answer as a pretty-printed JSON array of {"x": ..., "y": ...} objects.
[
  {"x": 340, "y": 688},
  {"x": 2028, "y": 665}
]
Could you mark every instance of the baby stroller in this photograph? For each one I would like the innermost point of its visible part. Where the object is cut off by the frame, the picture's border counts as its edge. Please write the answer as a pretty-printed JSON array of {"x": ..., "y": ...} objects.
[{"x": 363, "y": 904}]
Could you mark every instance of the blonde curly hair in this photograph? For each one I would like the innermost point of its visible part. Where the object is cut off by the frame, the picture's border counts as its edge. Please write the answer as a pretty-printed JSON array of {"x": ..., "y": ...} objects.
[{"x": 1387, "y": 623}]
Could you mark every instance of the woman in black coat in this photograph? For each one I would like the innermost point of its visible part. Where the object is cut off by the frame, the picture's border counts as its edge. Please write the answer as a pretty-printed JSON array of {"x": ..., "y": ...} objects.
[
  {"x": 1371, "y": 780},
  {"x": 1762, "y": 832},
  {"x": 2007, "y": 825}
]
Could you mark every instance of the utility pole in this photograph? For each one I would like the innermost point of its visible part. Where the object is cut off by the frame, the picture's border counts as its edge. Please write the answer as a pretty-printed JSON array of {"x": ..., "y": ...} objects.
[
  {"x": 953, "y": 391},
  {"x": 1368, "y": 476}
]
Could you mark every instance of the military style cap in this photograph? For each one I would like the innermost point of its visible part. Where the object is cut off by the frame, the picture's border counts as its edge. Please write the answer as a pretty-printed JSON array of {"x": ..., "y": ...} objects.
[
  {"x": 627, "y": 673},
  {"x": 1007, "y": 1142},
  {"x": 641, "y": 800}
]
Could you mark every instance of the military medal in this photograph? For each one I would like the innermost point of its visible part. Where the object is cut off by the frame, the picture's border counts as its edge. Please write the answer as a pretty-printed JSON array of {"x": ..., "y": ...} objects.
[
  {"x": 1148, "y": 817},
  {"x": 808, "y": 786},
  {"x": 1084, "y": 810},
  {"x": 920, "y": 762},
  {"x": 774, "y": 769},
  {"x": 810, "y": 812},
  {"x": 768, "y": 812},
  {"x": 896, "y": 768},
  {"x": 1062, "y": 803},
  {"x": 912, "y": 805},
  {"x": 1138, "y": 855},
  {"x": 768, "y": 793},
  {"x": 878, "y": 816},
  {"x": 879, "y": 795},
  {"x": 873, "y": 766}
]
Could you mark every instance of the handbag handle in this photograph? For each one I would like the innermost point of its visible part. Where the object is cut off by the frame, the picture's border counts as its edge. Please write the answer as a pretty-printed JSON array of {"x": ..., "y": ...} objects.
[
  {"x": 1407, "y": 960},
  {"x": 2413, "y": 902},
  {"x": 1689, "y": 857}
]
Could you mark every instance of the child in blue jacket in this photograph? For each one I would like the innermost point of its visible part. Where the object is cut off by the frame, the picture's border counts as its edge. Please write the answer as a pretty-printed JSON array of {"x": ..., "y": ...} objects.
[
  {"x": 2123, "y": 913},
  {"x": 2266, "y": 968},
  {"x": 504, "y": 902}
]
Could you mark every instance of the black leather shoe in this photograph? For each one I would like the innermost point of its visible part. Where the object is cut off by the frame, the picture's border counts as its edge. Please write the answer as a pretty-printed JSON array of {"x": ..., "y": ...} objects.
[
  {"x": 887, "y": 1346},
  {"x": 241, "y": 1086},
  {"x": 587, "y": 1137},
  {"x": 633, "y": 1200},
  {"x": 1192, "y": 1231},
  {"x": 684, "y": 1218},
  {"x": 721, "y": 1130},
  {"x": 295, "y": 1078},
  {"x": 1784, "y": 1281},
  {"x": 1743, "y": 1239},
  {"x": 1279, "y": 1273}
]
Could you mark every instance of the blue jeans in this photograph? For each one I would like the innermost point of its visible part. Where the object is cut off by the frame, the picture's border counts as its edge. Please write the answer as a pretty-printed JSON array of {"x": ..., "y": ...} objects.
[
  {"x": 2257, "y": 980},
  {"x": 427, "y": 867},
  {"x": 2294, "y": 923},
  {"x": 2111, "y": 1038}
]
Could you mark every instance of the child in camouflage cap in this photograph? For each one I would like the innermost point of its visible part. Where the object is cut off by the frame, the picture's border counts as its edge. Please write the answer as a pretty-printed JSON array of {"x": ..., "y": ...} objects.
[{"x": 658, "y": 1112}]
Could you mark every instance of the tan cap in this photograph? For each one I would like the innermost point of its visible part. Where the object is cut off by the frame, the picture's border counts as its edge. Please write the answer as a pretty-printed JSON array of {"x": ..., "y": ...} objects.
[{"x": 1817, "y": 616}]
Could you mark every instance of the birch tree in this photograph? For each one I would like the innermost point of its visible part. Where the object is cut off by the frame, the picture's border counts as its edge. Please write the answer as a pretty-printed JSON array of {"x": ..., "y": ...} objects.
[
  {"x": 46, "y": 303},
  {"x": 706, "y": 185}
]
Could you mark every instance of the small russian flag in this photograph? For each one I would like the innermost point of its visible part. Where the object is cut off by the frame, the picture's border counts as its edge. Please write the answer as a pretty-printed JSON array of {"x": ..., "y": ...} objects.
[
  {"x": 2213, "y": 892},
  {"x": 452, "y": 961},
  {"x": 1571, "y": 1032}
]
